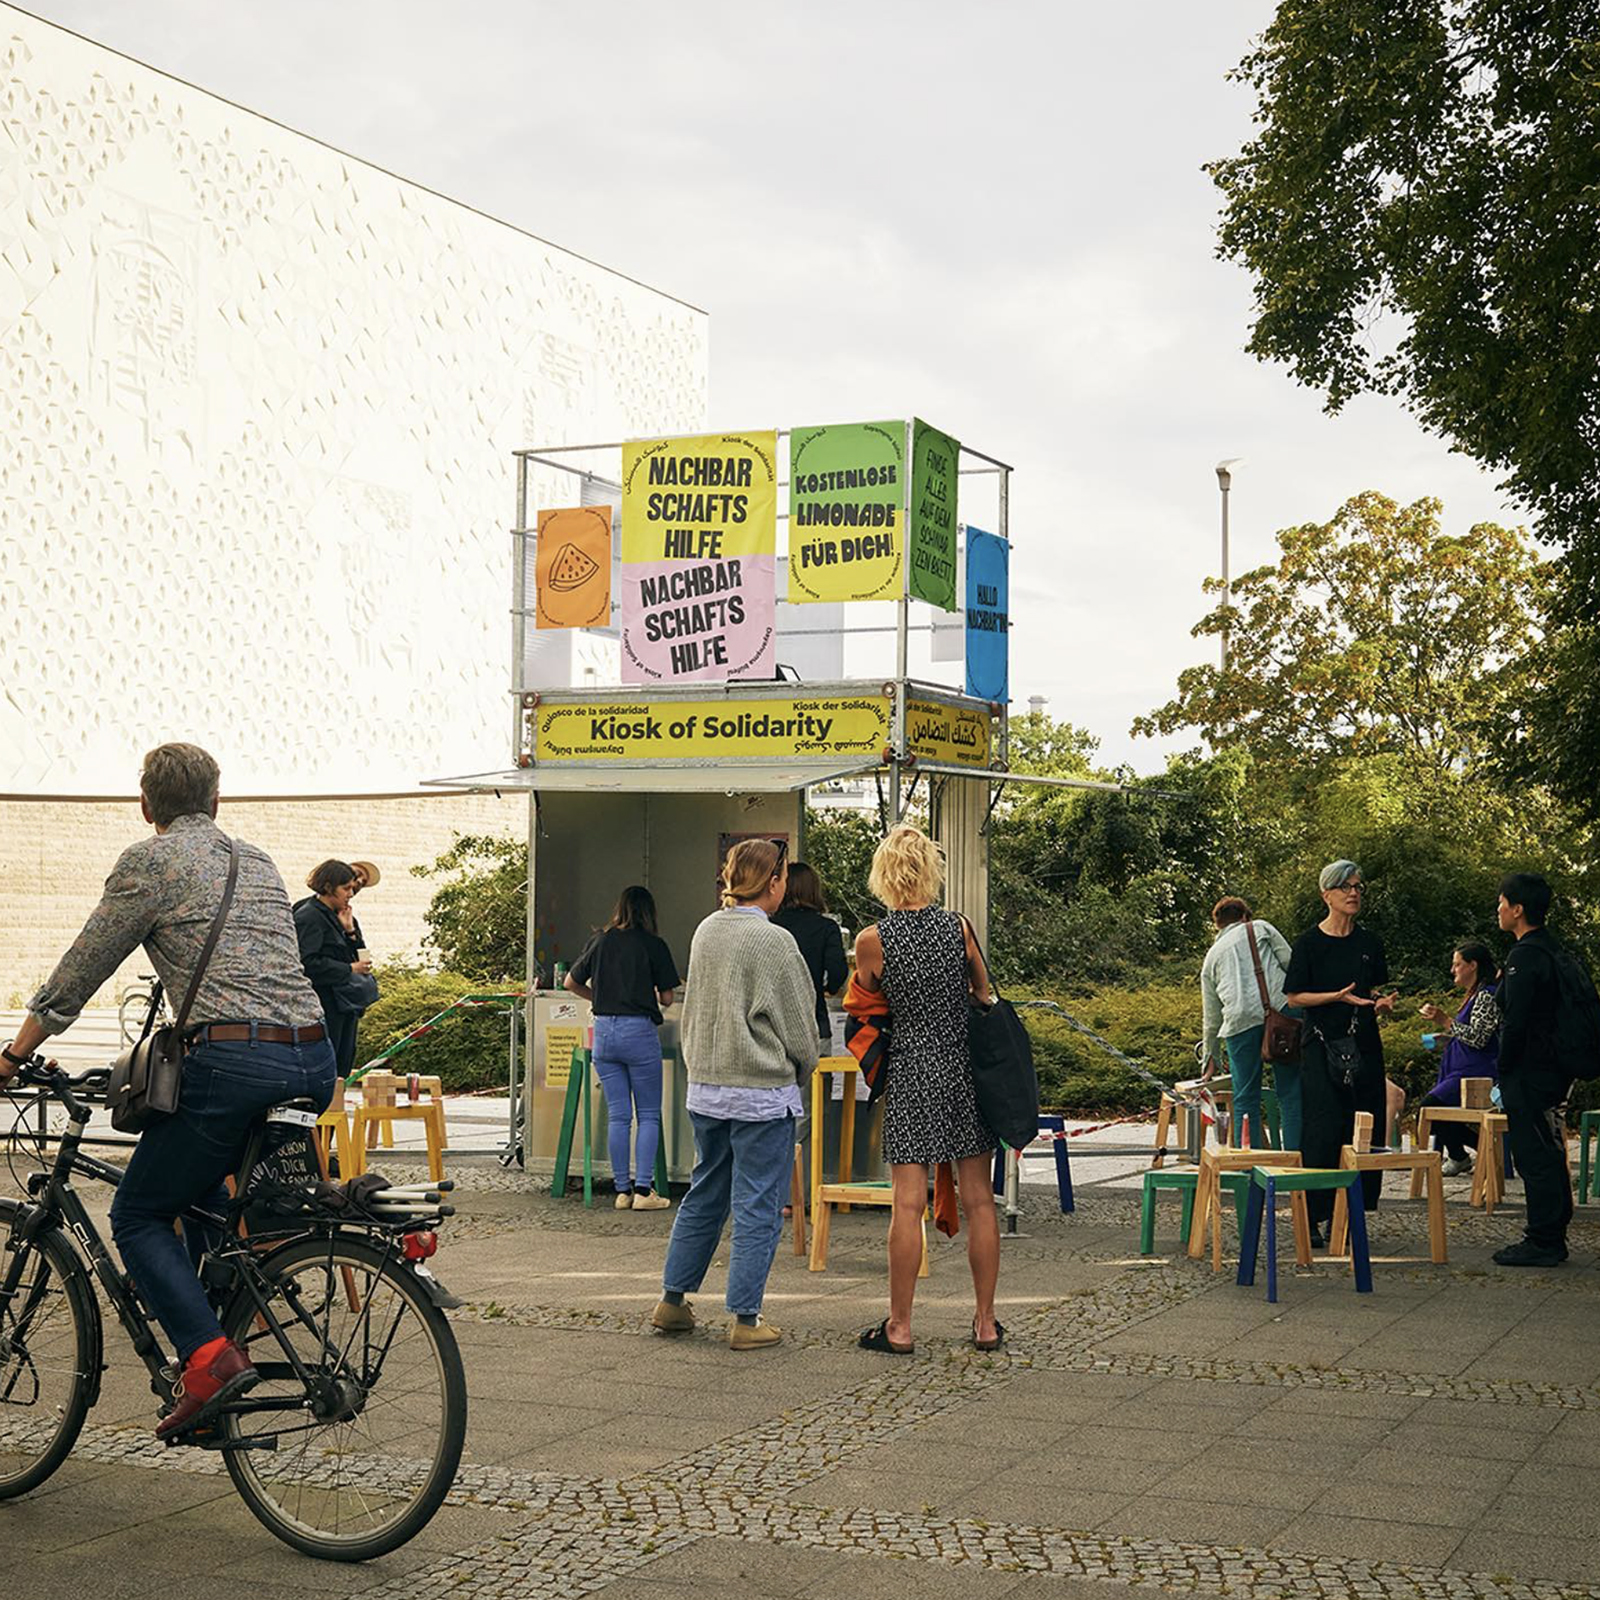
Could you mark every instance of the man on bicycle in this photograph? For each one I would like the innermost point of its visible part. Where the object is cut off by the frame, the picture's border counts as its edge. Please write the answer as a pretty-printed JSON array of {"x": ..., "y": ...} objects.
[{"x": 255, "y": 1038}]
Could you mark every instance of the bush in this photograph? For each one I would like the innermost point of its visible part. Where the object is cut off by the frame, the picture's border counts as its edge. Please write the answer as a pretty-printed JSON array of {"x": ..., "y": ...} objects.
[
  {"x": 466, "y": 1051},
  {"x": 1158, "y": 1025}
]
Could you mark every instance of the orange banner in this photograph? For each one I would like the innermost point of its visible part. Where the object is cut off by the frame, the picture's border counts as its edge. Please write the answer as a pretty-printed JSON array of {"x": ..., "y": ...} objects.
[{"x": 572, "y": 568}]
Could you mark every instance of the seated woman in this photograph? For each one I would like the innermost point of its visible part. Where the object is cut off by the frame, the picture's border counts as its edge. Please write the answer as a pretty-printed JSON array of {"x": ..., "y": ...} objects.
[{"x": 1471, "y": 1047}]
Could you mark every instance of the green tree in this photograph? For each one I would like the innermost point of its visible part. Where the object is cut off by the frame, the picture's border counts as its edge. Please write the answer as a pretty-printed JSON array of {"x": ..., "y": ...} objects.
[
  {"x": 477, "y": 919},
  {"x": 839, "y": 847},
  {"x": 1419, "y": 209},
  {"x": 1374, "y": 633}
]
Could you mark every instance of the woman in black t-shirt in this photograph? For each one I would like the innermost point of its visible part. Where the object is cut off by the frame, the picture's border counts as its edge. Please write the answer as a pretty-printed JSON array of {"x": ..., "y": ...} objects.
[
  {"x": 627, "y": 974},
  {"x": 1333, "y": 969},
  {"x": 804, "y": 916}
]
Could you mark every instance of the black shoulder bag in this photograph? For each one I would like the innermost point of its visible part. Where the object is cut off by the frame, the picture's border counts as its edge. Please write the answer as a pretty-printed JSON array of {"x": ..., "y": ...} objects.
[
  {"x": 1001, "y": 1056},
  {"x": 146, "y": 1079}
]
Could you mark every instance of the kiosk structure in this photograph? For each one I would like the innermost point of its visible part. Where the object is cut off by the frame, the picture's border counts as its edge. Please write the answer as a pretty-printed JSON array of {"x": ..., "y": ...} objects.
[{"x": 652, "y": 782}]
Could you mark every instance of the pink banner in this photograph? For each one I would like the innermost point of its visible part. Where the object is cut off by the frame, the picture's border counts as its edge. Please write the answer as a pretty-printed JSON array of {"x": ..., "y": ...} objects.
[{"x": 698, "y": 621}]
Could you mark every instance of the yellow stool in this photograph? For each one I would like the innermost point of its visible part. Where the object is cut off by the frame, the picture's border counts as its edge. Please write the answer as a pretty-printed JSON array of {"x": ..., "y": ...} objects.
[
  {"x": 844, "y": 1193},
  {"x": 380, "y": 1107},
  {"x": 1208, "y": 1200},
  {"x": 333, "y": 1129}
]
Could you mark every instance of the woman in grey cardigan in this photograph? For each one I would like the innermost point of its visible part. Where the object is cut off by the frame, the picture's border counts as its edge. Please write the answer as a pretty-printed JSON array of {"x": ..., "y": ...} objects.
[{"x": 750, "y": 1047}]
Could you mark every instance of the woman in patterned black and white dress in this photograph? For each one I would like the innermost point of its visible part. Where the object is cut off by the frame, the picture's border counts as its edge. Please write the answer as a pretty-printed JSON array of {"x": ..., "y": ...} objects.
[{"x": 926, "y": 963}]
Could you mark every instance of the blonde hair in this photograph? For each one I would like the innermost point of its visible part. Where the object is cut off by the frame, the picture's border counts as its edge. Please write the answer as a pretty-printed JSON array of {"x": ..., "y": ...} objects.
[
  {"x": 907, "y": 868},
  {"x": 751, "y": 866}
]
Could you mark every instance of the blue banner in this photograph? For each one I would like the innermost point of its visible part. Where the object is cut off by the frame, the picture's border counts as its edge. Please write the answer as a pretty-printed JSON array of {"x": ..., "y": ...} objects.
[{"x": 988, "y": 620}]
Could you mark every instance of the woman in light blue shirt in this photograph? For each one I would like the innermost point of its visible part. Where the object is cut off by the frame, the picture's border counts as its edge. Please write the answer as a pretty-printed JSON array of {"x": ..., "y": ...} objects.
[{"x": 1235, "y": 1018}]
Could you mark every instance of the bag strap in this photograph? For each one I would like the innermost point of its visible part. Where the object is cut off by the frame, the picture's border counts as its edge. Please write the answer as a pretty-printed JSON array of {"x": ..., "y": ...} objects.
[
  {"x": 983, "y": 955},
  {"x": 211, "y": 937},
  {"x": 1255, "y": 958}
]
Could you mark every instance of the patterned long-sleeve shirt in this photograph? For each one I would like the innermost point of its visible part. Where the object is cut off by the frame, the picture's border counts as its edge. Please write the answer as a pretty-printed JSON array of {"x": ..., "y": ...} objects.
[{"x": 163, "y": 893}]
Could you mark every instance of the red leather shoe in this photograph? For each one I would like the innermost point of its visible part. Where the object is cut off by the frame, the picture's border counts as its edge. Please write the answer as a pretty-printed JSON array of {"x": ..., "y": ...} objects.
[{"x": 213, "y": 1374}]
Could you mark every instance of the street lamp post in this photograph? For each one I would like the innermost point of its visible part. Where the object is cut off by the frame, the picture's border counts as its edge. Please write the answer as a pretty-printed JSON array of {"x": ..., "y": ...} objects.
[{"x": 1224, "y": 484}]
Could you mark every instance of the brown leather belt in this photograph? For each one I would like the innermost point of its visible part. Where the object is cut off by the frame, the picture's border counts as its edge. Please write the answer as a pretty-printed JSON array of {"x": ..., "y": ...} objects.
[{"x": 267, "y": 1032}]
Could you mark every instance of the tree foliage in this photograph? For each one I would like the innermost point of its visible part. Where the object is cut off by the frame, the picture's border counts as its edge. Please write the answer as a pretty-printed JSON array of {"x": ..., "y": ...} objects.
[
  {"x": 477, "y": 919},
  {"x": 1419, "y": 210},
  {"x": 1375, "y": 633},
  {"x": 839, "y": 847},
  {"x": 1437, "y": 161}
]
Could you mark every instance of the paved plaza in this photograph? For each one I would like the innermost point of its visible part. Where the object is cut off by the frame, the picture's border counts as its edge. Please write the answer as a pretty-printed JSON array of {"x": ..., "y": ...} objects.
[{"x": 1149, "y": 1426}]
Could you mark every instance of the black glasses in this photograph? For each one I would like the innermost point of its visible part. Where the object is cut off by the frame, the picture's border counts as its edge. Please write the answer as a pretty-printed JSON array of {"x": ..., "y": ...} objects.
[{"x": 782, "y": 846}]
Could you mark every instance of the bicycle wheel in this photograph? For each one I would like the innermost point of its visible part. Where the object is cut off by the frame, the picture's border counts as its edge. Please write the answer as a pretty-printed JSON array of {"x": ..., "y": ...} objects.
[
  {"x": 49, "y": 1359},
  {"x": 364, "y": 1469}
]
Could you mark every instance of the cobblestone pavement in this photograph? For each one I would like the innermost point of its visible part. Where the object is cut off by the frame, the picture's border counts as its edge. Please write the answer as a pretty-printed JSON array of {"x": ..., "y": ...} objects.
[{"x": 1149, "y": 1426}]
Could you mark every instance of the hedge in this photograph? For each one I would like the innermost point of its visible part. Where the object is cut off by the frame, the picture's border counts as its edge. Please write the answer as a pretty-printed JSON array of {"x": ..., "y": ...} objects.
[
  {"x": 1159, "y": 1026},
  {"x": 466, "y": 1051}
]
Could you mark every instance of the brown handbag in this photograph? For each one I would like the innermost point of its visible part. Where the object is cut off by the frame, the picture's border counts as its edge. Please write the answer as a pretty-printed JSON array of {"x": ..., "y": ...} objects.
[
  {"x": 1280, "y": 1035},
  {"x": 145, "y": 1080}
]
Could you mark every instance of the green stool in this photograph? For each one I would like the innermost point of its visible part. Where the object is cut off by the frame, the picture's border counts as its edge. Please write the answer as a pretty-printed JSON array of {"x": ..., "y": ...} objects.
[
  {"x": 1266, "y": 1184},
  {"x": 1588, "y": 1126},
  {"x": 1184, "y": 1179}
]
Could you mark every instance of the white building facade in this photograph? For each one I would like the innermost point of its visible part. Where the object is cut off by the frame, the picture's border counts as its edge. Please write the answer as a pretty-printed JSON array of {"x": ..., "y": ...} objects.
[{"x": 260, "y": 400}]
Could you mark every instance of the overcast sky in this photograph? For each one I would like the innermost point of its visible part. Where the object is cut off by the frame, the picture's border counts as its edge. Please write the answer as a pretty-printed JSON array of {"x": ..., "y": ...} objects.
[{"x": 989, "y": 216}]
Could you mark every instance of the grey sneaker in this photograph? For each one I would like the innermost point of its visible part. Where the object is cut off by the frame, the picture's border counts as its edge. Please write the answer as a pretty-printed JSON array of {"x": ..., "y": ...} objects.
[
  {"x": 1456, "y": 1169},
  {"x": 667, "y": 1318}
]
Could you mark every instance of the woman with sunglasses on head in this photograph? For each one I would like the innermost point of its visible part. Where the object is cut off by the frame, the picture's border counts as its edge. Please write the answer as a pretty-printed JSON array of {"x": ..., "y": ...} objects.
[
  {"x": 749, "y": 1049},
  {"x": 1333, "y": 970}
]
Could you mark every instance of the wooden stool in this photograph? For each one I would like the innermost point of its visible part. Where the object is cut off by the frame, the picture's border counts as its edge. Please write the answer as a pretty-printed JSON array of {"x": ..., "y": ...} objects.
[
  {"x": 829, "y": 1195},
  {"x": 333, "y": 1129},
  {"x": 1208, "y": 1198},
  {"x": 1185, "y": 1180},
  {"x": 380, "y": 1106},
  {"x": 826, "y": 1067},
  {"x": 1266, "y": 1184},
  {"x": 1423, "y": 1165},
  {"x": 797, "y": 1200}
]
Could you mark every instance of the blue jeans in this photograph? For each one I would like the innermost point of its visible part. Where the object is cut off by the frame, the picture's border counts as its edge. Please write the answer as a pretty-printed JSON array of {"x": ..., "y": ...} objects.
[
  {"x": 1244, "y": 1067},
  {"x": 744, "y": 1166},
  {"x": 627, "y": 1059},
  {"x": 181, "y": 1161}
]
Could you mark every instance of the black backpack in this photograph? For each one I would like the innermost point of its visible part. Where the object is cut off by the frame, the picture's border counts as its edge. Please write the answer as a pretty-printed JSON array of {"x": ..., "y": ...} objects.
[{"x": 1577, "y": 1030}]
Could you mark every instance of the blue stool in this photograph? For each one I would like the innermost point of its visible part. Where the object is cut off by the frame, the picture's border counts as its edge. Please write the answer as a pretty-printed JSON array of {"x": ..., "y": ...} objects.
[
  {"x": 1057, "y": 1126},
  {"x": 1266, "y": 1184}
]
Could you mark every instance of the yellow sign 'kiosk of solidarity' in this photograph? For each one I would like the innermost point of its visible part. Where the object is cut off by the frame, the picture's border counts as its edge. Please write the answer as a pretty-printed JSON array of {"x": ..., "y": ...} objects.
[
  {"x": 700, "y": 499},
  {"x": 708, "y": 730}
]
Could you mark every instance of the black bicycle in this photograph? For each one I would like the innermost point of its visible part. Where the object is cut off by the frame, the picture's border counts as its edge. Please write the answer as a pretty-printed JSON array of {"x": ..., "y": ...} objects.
[{"x": 352, "y": 1437}]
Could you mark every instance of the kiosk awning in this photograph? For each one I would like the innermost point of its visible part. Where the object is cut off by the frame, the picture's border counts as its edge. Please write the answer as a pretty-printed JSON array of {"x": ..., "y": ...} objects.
[
  {"x": 724, "y": 779},
  {"x": 942, "y": 769}
]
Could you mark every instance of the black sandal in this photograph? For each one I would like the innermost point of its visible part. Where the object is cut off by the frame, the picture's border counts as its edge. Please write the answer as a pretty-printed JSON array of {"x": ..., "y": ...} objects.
[
  {"x": 989, "y": 1344},
  {"x": 878, "y": 1339}
]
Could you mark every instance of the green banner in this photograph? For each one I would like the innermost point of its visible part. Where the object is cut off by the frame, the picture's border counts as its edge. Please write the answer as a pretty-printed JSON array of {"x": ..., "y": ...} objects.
[
  {"x": 932, "y": 524},
  {"x": 847, "y": 484}
]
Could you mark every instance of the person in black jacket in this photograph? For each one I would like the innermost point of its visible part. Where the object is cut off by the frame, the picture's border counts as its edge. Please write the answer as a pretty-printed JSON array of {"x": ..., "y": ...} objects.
[
  {"x": 330, "y": 956},
  {"x": 804, "y": 915},
  {"x": 1533, "y": 1084}
]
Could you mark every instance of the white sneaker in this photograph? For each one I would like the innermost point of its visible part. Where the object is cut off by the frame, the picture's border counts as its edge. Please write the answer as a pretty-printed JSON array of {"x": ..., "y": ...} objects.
[
  {"x": 649, "y": 1200},
  {"x": 624, "y": 1200},
  {"x": 1456, "y": 1169}
]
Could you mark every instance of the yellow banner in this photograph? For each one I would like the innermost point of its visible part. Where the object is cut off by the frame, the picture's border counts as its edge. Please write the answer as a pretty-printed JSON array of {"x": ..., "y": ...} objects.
[
  {"x": 954, "y": 735},
  {"x": 700, "y": 499},
  {"x": 680, "y": 730},
  {"x": 559, "y": 1043}
]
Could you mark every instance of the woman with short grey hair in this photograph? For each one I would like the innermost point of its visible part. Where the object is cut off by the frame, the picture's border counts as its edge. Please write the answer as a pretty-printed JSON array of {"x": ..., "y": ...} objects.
[{"x": 1334, "y": 969}]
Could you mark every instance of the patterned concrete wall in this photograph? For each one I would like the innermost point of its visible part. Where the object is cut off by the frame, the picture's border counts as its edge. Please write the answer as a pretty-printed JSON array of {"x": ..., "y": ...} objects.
[
  {"x": 258, "y": 401},
  {"x": 54, "y": 858}
]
